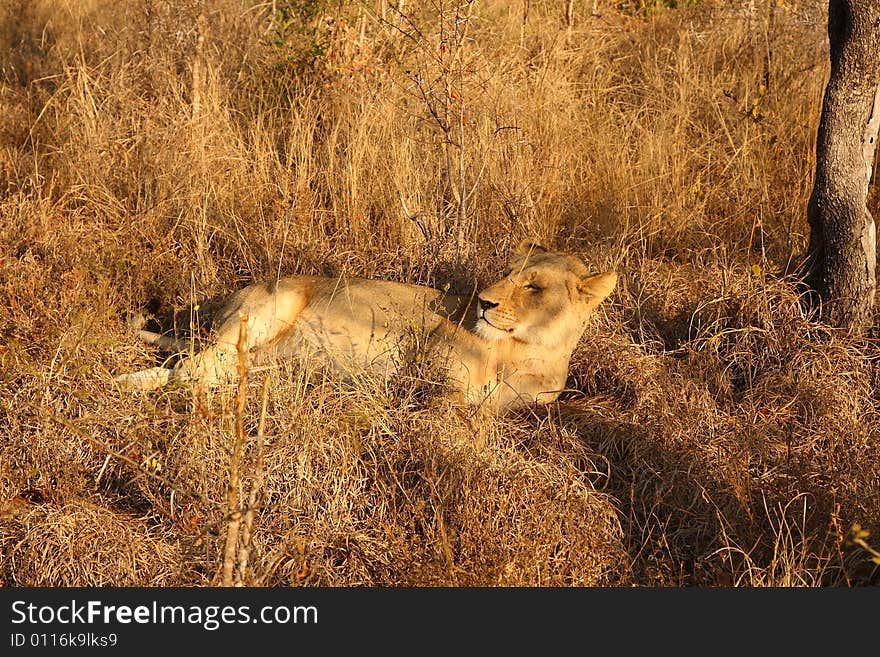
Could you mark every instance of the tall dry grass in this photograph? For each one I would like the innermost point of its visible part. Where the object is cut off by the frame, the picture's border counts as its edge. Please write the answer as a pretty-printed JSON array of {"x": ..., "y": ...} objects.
[{"x": 157, "y": 153}]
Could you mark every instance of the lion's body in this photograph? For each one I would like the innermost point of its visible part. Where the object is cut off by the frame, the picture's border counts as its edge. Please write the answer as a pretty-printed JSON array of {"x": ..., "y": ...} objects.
[{"x": 509, "y": 346}]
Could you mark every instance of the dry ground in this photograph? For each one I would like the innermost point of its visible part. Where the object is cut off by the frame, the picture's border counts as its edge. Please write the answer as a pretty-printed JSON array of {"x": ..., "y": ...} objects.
[{"x": 156, "y": 153}]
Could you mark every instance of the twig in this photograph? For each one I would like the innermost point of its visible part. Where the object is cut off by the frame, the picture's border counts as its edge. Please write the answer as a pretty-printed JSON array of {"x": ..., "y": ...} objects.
[
  {"x": 232, "y": 498},
  {"x": 256, "y": 486},
  {"x": 416, "y": 218}
]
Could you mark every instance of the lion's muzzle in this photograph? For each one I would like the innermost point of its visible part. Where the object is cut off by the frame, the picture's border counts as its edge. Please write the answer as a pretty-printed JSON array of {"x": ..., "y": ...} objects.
[{"x": 483, "y": 305}]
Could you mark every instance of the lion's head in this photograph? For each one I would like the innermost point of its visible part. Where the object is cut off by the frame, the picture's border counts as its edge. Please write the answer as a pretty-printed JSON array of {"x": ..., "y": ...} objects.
[{"x": 544, "y": 298}]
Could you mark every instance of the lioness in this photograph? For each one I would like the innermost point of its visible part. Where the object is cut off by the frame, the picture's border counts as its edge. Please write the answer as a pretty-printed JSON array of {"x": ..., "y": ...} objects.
[{"x": 508, "y": 347}]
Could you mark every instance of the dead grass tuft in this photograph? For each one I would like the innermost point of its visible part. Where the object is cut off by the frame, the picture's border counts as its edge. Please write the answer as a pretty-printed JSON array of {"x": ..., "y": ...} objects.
[{"x": 85, "y": 544}]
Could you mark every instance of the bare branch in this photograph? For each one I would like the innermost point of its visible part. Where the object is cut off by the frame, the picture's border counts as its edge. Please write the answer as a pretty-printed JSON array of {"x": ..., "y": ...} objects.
[
  {"x": 256, "y": 486},
  {"x": 417, "y": 218},
  {"x": 232, "y": 492}
]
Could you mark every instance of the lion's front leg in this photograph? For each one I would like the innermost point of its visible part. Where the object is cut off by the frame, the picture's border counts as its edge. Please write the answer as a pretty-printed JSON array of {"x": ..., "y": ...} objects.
[{"x": 525, "y": 390}]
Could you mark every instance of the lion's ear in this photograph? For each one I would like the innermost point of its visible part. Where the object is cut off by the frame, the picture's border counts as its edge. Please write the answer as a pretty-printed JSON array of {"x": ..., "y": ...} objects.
[
  {"x": 597, "y": 287},
  {"x": 528, "y": 247}
]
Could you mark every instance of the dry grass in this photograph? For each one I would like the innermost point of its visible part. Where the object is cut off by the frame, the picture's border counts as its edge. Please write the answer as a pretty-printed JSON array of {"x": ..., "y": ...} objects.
[{"x": 156, "y": 153}]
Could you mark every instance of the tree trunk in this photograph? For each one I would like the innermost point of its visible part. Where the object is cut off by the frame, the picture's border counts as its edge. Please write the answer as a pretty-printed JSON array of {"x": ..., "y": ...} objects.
[{"x": 842, "y": 250}]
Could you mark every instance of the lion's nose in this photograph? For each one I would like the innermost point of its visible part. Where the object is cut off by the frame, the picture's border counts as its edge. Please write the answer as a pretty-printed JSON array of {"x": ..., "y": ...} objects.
[{"x": 486, "y": 305}]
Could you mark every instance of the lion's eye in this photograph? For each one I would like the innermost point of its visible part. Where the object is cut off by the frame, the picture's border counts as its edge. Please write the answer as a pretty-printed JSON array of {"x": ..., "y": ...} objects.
[{"x": 531, "y": 287}]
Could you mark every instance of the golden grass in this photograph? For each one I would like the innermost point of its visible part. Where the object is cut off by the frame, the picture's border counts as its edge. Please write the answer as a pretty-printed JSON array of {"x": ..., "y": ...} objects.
[{"x": 155, "y": 156}]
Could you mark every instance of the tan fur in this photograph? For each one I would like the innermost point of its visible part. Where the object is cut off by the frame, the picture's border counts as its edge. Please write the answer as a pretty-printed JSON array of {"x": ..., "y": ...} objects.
[{"x": 508, "y": 347}]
